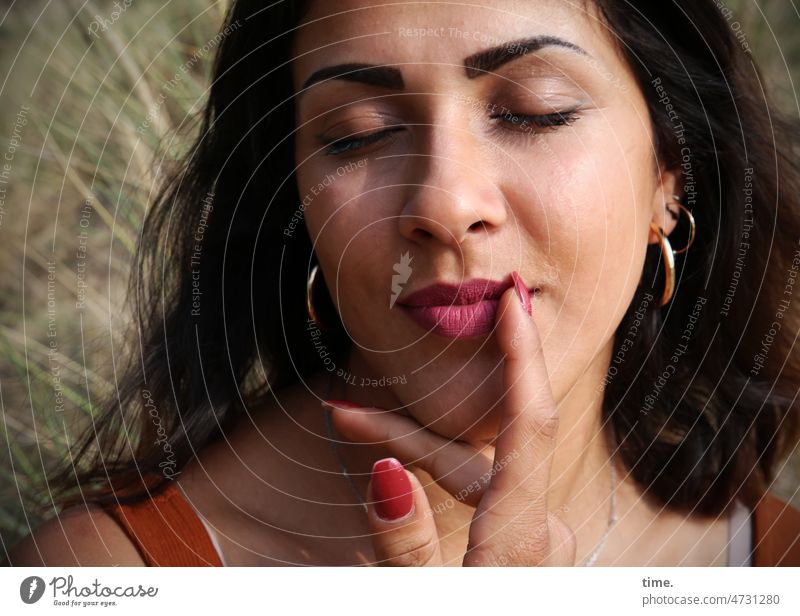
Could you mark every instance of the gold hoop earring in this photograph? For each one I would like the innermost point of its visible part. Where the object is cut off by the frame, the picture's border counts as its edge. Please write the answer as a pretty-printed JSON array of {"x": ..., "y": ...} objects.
[
  {"x": 312, "y": 277},
  {"x": 669, "y": 254},
  {"x": 692, "y": 227},
  {"x": 310, "y": 292},
  {"x": 669, "y": 264}
]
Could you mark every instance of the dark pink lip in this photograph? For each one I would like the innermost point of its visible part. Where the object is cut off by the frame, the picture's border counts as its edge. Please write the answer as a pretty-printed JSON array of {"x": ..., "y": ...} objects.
[
  {"x": 446, "y": 294},
  {"x": 456, "y": 311}
]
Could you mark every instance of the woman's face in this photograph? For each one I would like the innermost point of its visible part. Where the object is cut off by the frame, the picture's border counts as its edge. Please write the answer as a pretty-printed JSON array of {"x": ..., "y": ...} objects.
[{"x": 536, "y": 157}]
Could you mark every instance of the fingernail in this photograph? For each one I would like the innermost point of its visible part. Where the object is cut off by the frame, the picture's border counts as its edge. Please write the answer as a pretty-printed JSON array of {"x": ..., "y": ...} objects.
[
  {"x": 522, "y": 293},
  {"x": 342, "y": 404},
  {"x": 391, "y": 489}
]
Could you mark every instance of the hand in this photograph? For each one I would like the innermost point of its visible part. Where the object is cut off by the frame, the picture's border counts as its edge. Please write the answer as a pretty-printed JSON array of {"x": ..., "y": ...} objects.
[{"x": 512, "y": 524}]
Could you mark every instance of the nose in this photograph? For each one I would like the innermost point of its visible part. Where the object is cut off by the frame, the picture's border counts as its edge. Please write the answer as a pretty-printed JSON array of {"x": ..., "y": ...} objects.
[{"x": 453, "y": 197}]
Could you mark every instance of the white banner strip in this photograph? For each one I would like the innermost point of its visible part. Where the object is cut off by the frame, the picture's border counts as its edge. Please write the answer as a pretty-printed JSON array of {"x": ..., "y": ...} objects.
[{"x": 400, "y": 592}]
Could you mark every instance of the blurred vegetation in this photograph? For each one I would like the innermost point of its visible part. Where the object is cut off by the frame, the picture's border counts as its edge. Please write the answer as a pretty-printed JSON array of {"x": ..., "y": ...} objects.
[
  {"x": 92, "y": 104},
  {"x": 93, "y": 99}
]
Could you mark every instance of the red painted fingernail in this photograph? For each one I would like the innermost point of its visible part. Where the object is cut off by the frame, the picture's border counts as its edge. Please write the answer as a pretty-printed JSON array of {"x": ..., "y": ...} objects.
[
  {"x": 522, "y": 293},
  {"x": 342, "y": 404},
  {"x": 391, "y": 489}
]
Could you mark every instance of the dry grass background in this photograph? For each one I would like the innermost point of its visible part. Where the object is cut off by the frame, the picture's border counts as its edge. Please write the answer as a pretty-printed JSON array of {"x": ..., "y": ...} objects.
[
  {"x": 104, "y": 107},
  {"x": 102, "y": 111}
]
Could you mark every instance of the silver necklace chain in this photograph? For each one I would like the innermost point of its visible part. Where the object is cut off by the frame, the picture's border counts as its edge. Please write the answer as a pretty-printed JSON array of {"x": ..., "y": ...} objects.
[{"x": 612, "y": 518}]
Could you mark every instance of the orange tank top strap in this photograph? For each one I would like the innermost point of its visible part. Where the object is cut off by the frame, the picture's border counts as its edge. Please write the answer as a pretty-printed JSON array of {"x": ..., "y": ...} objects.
[
  {"x": 777, "y": 533},
  {"x": 166, "y": 530}
]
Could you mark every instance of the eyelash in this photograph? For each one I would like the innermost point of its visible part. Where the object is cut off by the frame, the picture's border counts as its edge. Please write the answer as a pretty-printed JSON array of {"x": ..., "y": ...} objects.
[
  {"x": 344, "y": 146},
  {"x": 545, "y": 121}
]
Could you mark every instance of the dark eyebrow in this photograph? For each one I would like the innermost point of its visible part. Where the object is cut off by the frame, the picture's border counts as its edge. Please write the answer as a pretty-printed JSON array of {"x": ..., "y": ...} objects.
[
  {"x": 491, "y": 59},
  {"x": 476, "y": 65},
  {"x": 371, "y": 74}
]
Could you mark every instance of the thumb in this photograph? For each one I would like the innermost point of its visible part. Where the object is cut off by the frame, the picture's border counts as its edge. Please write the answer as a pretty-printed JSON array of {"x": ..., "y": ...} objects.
[{"x": 403, "y": 530}]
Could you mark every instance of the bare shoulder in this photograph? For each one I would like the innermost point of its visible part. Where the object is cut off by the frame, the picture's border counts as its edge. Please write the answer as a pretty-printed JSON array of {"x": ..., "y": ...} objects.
[{"x": 78, "y": 536}]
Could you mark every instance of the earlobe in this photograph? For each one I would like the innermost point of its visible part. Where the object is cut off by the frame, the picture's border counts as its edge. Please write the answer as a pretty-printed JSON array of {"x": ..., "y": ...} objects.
[
  {"x": 659, "y": 233},
  {"x": 667, "y": 218},
  {"x": 666, "y": 204}
]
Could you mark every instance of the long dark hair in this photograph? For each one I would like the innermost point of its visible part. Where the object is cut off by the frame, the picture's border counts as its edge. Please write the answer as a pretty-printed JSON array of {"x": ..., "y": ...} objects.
[{"x": 701, "y": 411}]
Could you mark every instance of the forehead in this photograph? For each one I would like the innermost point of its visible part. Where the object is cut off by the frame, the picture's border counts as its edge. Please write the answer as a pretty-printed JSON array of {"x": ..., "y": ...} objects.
[{"x": 438, "y": 31}]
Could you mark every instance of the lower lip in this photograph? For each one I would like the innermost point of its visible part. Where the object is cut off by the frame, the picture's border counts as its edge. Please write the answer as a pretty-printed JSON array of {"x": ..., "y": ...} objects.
[{"x": 456, "y": 321}]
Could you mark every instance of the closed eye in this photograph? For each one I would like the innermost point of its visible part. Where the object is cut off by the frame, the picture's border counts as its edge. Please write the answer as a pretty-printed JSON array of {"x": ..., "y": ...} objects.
[
  {"x": 351, "y": 144},
  {"x": 527, "y": 123},
  {"x": 513, "y": 121}
]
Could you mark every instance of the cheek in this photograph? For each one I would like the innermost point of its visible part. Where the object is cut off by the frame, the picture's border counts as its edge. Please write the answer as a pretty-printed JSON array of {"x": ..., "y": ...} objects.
[
  {"x": 327, "y": 193},
  {"x": 586, "y": 220},
  {"x": 338, "y": 212},
  {"x": 612, "y": 246},
  {"x": 601, "y": 191},
  {"x": 613, "y": 227},
  {"x": 346, "y": 198},
  {"x": 354, "y": 235},
  {"x": 591, "y": 211}
]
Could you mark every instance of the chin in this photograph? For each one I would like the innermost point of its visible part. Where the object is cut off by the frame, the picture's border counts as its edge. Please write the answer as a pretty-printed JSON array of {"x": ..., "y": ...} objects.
[
  {"x": 454, "y": 397},
  {"x": 463, "y": 423}
]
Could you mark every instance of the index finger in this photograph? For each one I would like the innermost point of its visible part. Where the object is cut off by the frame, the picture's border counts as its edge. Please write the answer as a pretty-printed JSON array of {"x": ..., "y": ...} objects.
[{"x": 526, "y": 439}]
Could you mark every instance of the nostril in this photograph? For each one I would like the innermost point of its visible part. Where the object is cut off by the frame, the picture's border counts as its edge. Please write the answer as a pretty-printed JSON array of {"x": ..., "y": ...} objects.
[{"x": 476, "y": 225}]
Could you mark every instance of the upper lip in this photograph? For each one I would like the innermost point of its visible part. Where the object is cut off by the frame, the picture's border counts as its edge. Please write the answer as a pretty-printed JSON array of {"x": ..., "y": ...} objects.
[{"x": 469, "y": 292}]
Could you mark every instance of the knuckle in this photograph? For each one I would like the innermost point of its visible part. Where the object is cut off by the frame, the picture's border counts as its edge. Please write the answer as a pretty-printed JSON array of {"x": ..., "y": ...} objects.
[
  {"x": 534, "y": 547},
  {"x": 416, "y": 551},
  {"x": 436, "y": 466},
  {"x": 536, "y": 425},
  {"x": 388, "y": 432},
  {"x": 512, "y": 543},
  {"x": 539, "y": 413},
  {"x": 523, "y": 552},
  {"x": 546, "y": 423},
  {"x": 480, "y": 556}
]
